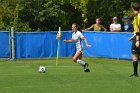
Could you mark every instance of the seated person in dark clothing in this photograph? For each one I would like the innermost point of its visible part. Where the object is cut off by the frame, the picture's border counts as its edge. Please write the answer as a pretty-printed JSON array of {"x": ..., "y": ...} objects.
[{"x": 128, "y": 27}]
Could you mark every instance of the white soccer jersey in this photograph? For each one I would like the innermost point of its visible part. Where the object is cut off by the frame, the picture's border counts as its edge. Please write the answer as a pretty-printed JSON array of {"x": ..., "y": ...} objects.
[{"x": 77, "y": 37}]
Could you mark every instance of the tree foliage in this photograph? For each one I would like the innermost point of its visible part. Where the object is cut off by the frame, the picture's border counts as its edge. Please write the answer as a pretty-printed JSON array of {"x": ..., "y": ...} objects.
[{"x": 48, "y": 15}]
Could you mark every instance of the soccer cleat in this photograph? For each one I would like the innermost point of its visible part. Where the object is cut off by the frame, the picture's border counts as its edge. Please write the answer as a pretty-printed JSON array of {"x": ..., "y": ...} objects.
[
  {"x": 86, "y": 69},
  {"x": 134, "y": 75},
  {"x": 86, "y": 66}
]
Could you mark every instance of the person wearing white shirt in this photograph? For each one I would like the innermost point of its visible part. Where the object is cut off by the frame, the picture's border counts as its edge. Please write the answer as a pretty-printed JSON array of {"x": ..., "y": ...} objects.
[
  {"x": 115, "y": 27},
  {"x": 77, "y": 37}
]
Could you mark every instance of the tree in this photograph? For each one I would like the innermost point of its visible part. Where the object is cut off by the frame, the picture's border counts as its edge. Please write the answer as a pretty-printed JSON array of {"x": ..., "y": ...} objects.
[
  {"x": 106, "y": 10},
  {"x": 40, "y": 15},
  {"x": 48, "y": 15},
  {"x": 6, "y": 13}
]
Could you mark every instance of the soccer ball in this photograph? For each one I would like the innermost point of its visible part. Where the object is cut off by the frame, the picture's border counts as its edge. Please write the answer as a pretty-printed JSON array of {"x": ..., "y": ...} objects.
[{"x": 42, "y": 69}]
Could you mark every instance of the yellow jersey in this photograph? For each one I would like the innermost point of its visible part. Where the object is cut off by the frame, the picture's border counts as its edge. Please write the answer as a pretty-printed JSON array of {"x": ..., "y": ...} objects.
[{"x": 136, "y": 23}]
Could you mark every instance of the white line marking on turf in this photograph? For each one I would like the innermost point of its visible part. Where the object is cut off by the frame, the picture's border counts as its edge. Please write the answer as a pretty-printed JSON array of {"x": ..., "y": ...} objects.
[
  {"x": 62, "y": 66},
  {"x": 51, "y": 66},
  {"x": 22, "y": 66}
]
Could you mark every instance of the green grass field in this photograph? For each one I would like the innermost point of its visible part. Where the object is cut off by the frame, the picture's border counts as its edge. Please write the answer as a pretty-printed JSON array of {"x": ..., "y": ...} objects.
[{"x": 106, "y": 76}]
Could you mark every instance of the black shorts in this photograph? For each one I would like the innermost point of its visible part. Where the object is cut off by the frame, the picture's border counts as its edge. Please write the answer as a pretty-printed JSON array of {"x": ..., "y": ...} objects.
[{"x": 134, "y": 49}]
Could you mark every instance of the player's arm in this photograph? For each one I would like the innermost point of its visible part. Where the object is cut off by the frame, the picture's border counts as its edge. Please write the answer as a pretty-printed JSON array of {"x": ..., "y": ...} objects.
[
  {"x": 137, "y": 37},
  {"x": 87, "y": 44},
  {"x": 83, "y": 38},
  {"x": 138, "y": 32},
  {"x": 131, "y": 38},
  {"x": 68, "y": 41}
]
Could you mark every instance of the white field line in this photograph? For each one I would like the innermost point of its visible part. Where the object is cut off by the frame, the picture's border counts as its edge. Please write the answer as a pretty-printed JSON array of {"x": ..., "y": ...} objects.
[
  {"x": 51, "y": 66},
  {"x": 62, "y": 66}
]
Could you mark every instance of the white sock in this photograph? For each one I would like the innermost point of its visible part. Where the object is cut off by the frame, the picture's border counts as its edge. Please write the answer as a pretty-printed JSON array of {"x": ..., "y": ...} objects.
[{"x": 80, "y": 62}]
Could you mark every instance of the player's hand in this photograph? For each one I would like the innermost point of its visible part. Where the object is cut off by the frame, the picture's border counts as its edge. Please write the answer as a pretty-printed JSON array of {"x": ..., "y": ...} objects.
[
  {"x": 58, "y": 36},
  {"x": 131, "y": 38},
  {"x": 88, "y": 45},
  {"x": 137, "y": 44},
  {"x": 64, "y": 40}
]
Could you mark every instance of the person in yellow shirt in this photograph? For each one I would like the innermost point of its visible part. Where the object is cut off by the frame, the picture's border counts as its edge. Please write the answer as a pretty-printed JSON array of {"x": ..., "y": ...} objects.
[
  {"x": 97, "y": 26},
  {"x": 136, "y": 38}
]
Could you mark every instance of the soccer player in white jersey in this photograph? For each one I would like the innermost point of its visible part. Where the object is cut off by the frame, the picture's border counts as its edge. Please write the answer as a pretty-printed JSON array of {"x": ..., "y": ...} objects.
[{"x": 77, "y": 37}]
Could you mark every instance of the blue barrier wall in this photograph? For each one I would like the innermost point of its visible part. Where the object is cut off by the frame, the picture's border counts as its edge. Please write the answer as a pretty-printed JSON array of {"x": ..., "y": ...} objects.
[
  {"x": 4, "y": 45},
  {"x": 109, "y": 45},
  {"x": 43, "y": 44}
]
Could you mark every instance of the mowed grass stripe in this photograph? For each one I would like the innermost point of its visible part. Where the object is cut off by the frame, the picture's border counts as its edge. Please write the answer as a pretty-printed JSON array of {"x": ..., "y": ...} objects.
[{"x": 106, "y": 76}]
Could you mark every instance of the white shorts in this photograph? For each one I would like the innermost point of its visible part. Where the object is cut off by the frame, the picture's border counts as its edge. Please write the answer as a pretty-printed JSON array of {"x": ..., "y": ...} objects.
[{"x": 80, "y": 50}]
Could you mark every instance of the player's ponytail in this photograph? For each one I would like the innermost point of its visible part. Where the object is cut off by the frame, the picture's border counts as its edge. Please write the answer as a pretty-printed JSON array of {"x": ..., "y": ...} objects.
[{"x": 78, "y": 27}]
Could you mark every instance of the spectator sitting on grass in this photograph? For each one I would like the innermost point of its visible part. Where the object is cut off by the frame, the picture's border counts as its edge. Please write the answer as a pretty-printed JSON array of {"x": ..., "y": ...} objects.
[
  {"x": 115, "y": 26},
  {"x": 128, "y": 27},
  {"x": 97, "y": 26}
]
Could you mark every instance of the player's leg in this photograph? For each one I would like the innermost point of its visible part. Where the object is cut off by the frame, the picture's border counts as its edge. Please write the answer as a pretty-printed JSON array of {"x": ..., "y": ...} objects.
[
  {"x": 86, "y": 69},
  {"x": 77, "y": 58},
  {"x": 134, "y": 51},
  {"x": 135, "y": 64},
  {"x": 80, "y": 56}
]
